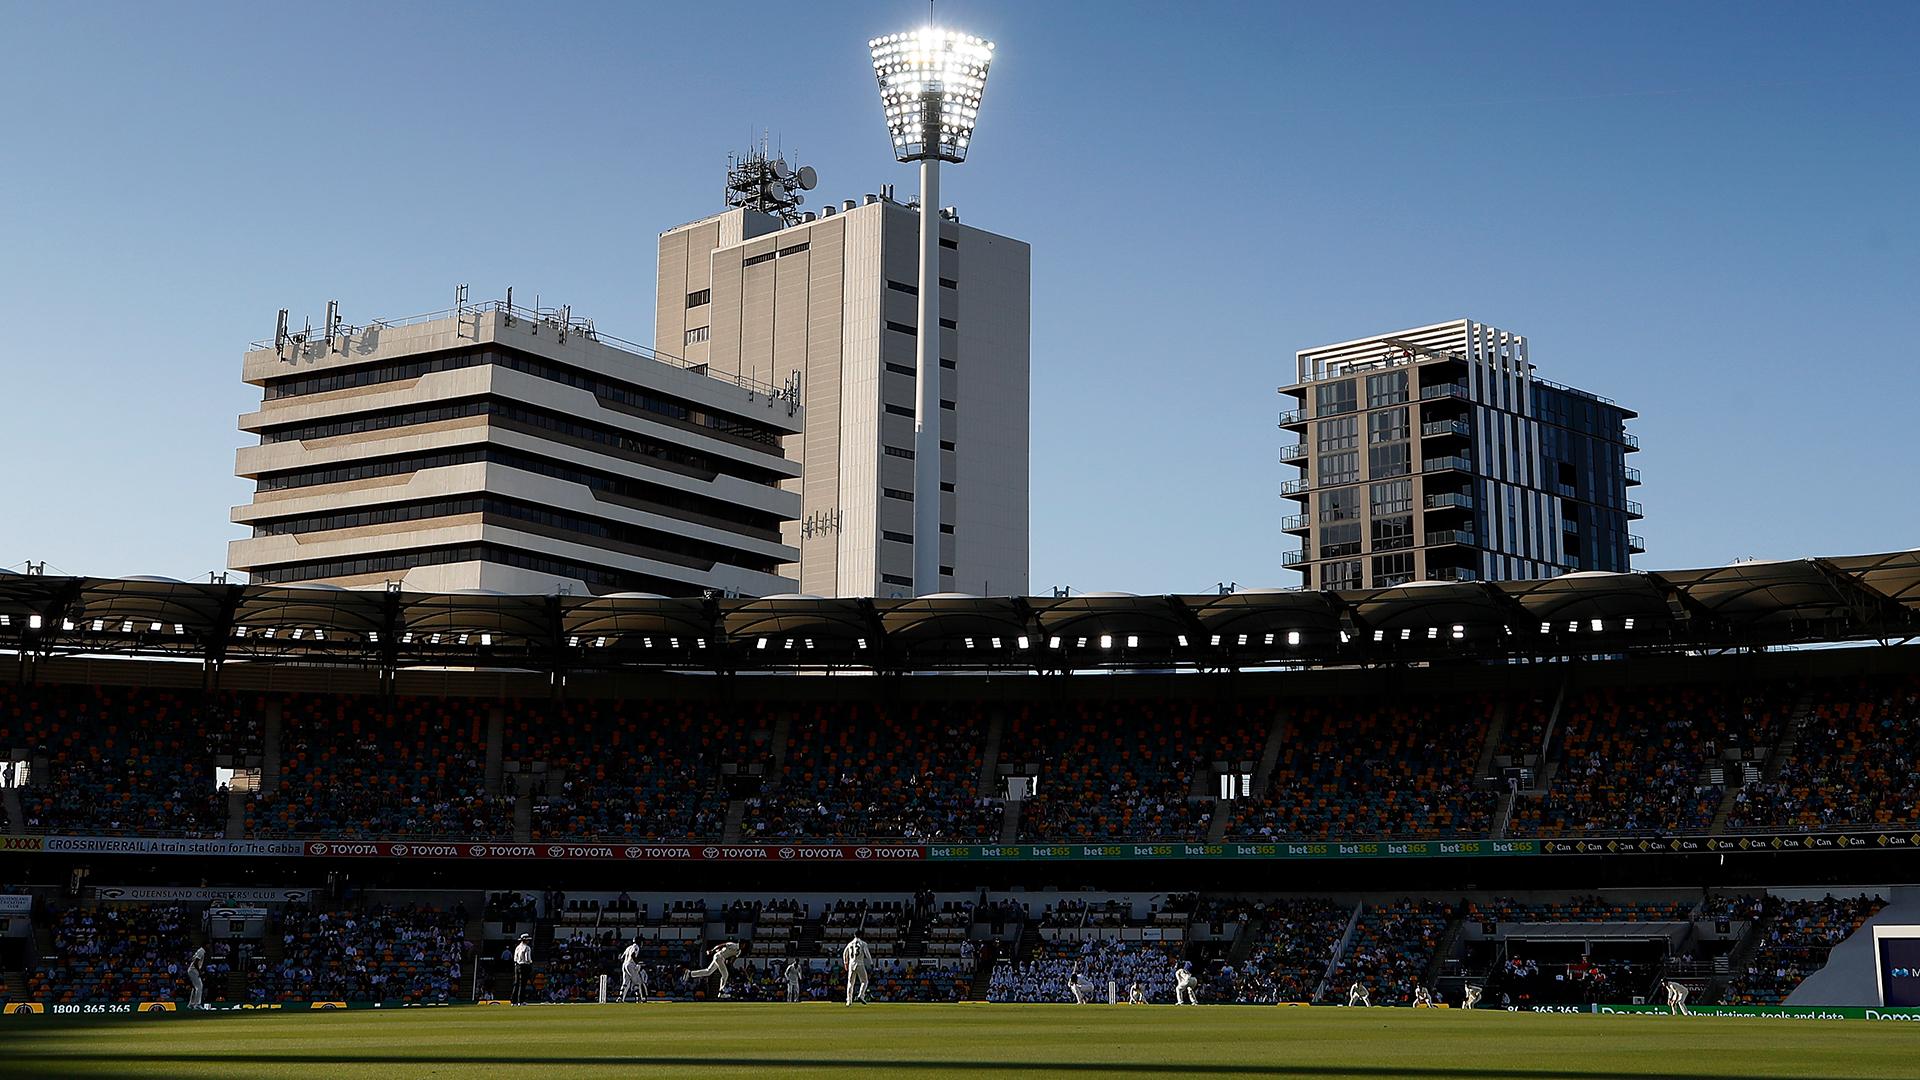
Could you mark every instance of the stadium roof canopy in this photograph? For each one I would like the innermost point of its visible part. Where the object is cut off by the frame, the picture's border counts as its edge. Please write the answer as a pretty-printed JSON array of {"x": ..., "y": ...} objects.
[{"x": 1746, "y": 605}]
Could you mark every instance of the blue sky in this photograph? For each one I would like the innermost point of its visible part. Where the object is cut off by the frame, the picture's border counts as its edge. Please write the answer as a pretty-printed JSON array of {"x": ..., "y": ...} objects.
[{"x": 1705, "y": 211}]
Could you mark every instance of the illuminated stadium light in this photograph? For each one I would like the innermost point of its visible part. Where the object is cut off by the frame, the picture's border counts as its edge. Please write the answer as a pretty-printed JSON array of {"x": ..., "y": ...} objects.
[
  {"x": 996, "y": 643},
  {"x": 1598, "y": 626},
  {"x": 1182, "y": 639},
  {"x": 1628, "y": 624},
  {"x": 1053, "y": 643},
  {"x": 486, "y": 639},
  {"x": 1293, "y": 637},
  {"x": 860, "y": 644},
  {"x": 1024, "y": 643},
  {"x": 761, "y": 644},
  {"x": 1432, "y": 632},
  {"x": 1106, "y": 641},
  {"x": 33, "y": 622},
  {"x": 1269, "y": 640},
  {"x": 931, "y": 80},
  {"x": 1133, "y": 641},
  {"x": 969, "y": 643},
  {"x": 1459, "y": 631},
  {"x": 1216, "y": 639}
]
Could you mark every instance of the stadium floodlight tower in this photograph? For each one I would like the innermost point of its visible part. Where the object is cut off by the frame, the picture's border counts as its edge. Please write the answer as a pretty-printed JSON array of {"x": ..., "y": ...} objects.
[{"x": 931, "y": 80}]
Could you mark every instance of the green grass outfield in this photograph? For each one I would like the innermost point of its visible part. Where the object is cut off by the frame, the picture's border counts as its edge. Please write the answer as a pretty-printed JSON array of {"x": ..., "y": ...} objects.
[{"x": 752, "y": 1040}]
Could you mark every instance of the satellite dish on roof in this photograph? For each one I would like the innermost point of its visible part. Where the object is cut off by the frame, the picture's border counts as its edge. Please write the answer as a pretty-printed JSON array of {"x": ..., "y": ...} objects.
[
  {"x": 807, "y": 178},
  {"x": 779, "y": 167}
]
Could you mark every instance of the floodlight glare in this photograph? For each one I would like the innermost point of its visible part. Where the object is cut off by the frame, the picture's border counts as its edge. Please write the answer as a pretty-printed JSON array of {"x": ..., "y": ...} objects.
[{"x": 931, "y": 80}]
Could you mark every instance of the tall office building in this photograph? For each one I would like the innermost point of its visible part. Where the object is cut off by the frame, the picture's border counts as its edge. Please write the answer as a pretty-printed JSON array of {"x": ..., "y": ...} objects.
[
  {"x": 1437, "y": 454},
  {"x": 832, "y": 297},
  {"x": 512, "y": 451}
]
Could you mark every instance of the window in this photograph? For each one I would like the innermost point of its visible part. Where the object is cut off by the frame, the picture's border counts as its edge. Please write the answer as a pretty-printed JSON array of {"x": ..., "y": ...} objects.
[
  {"x": 1339, "y": 468},
  {"x": 1389, "y": 388},
  {"x": 695, "y": 299},
  {"x": 947, "y": 570},
  {"x": 1339, "y": 434},
  {"x": 1340, "y": 575},
  {"x": 946, "y": 444},
  {"x": 794, "y": 250},
  {"x": 758, "y": 259},
  {"x": 949, "y": 324},
  {"x": 953, "y": 245},
  {"x": 902, "y": 369},
  {"x": 946, "y": 487},
  {"x": 242, "y": 779},
  {"x": 697, "y": 334},
  {"x": 1392, "y": 534},
  {"x": 1340, "y": 504},
  {"x": 945, "y": 404},
  {"x": 896, "y": 579},
  {"x": 901, "y": 328},
  {"x": 895, "y": 451},
  {"x": 900, "y": 410},
  {"x": 946, "y": 363},
  {"x": 1392, "y": 497},
  {"x": 1331, "y": 398},
  {"x": 1389, "y": 570},
  {"x": 947, "y": 529},
  {"x": 896, "y": 493},
  {"x": 949, "y": 283},
  {"x": 901, "y": 286},
  {"x": 15, "y": 773},
  {"x": 898, "y": 538},
  {"x": 1388, "y": 460},
  {"x": 1339, "y": 540},
  {"x": 1388, "y": 425}
]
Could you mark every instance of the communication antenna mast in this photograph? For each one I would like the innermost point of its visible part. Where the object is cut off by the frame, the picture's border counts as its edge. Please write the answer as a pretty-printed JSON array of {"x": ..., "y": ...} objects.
[{"x": 765, "y": 183}]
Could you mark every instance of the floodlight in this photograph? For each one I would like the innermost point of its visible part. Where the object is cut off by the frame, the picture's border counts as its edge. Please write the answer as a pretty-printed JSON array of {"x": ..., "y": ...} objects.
[{"x": 931, "y": 80}]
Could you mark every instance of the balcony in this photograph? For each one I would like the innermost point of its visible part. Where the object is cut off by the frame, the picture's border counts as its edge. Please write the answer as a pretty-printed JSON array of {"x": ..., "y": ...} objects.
[
  {"x": 1296, "y": 452},
  {"x": 1293, "y": 418},
  {"x": 1442, "y": 537},
  {"x": 1295, "y": 522},
  {"x": 1445, "y": 390},
  {"x": 1294, "y": 488},
  {"x": 1636, "y": 544},
  {"x": 1635, "y": 510},
  {"x": 1457, "y": 462},
  {"x": 1633, "y": 476},
  {"x": 1440, "y": 428},
  {"x": 1632, "y": 441},
  {"x": 1452, "y": 573},
  {"x": 1453, "y": 500},
  {"x": 1292, "y": 558}
]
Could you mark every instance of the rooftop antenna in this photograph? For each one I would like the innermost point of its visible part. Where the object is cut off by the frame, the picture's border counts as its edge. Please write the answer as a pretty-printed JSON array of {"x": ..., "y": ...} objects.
[
  {"x": 280, "y": 335},
  {"x": 765, "y": 184}
]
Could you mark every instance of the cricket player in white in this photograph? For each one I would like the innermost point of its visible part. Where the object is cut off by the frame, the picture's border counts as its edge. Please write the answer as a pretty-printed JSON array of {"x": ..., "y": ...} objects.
[
  {"x": 793, "y": 974},
  {"x": 633, "y": 977},
  {"x": 1422, "y": 997},
  {"x": 855, "y": 957},
  {"x": 1186, "y": 986},
  {"x": 1470, "y": 997},
  {"x": 194, "y": 967},
  {"x": 1677, "y": 998},
  {"x": 719, "y": 962},
  {"x": 1357, "y": 996},
  {"x": 1077, "y": 985},
  {"x": 1136, "y": 995}
]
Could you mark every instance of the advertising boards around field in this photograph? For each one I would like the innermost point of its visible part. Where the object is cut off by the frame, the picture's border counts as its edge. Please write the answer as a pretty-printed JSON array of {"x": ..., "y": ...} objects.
[
  {"x": 12, "y": 1007},
  {"x": 1896, "y": 955},
  {"x": 225, "y": 897},
  {"x": 158, "y": 845},
  {"x": 1772, "y": 1012}
]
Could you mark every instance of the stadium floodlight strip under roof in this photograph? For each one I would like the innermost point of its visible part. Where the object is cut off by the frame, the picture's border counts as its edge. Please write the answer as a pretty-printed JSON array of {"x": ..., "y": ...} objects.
[{"x": 931, "y": 81}]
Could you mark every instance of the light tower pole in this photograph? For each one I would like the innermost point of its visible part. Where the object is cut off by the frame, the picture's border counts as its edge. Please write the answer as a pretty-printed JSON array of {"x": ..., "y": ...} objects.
[{"x": 931, "y": 81}]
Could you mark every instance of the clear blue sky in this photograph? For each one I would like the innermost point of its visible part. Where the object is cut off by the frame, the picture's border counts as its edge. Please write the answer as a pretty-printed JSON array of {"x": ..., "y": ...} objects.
[{"x": 1698, "y": 209}]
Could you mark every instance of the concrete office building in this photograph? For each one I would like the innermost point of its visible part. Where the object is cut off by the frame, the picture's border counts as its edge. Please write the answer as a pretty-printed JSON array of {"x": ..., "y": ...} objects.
[
  {"x": 1437, "y": 454},
  {"x": 832, "y": 297},
  {"x": 511, "y": 451}
]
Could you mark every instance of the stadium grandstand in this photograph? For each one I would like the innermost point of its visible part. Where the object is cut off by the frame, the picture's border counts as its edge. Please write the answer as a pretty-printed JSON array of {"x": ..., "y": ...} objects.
[{"x": 1559, "y": 792}]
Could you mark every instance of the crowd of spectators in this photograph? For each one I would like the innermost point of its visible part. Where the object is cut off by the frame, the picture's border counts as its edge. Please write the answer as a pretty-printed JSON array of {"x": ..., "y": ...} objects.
[
  {"x": 408, "y": 954},
  {"x": 1392, "y": 948},
  {"x": 360, "y": 767},
  {"x": 1385, "y": 769},
  {"x": 863, "y": 772},
  {"x": 123, "y": 953},
  {"x": 1290, "y": 958},
  {"x": 1043, "y": 975},
  {"x": 1796, "y": 942},
  {"x": 636, "y": 768},
  {"x": 1111, "y": 770},
  {"x": 1853, "y": 764}
]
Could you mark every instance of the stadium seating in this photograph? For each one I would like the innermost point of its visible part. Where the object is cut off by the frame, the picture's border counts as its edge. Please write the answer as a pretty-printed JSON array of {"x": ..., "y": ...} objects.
[
  {"x": 1853, "y": 763},
  {"x": 1296, "y": 944},
  {"x": 408, "y": 954},
  {"x": 1796, "y": 940},
  {"x": 122, "y": 953},
  {"x": 1119, "y": 770},
  {"x": 1385, "y": 769},
  {"x": 1392, "y": 948}
]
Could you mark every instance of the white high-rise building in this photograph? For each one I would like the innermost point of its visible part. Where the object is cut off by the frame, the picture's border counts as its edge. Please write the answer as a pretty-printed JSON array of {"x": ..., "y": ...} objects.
[
  {"x": 513, "y": 451},
  {"x": 832, "y": 297}
]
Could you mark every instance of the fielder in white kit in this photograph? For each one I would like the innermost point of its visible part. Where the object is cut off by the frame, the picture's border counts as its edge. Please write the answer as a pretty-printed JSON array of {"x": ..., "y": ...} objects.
[
  {"x": 1186, "y": 986},
  {"x": 633, "y": 977},
  {"x": 719, "y": 962},
  {"x": 855, "y": 957},
  {"x": 793, "y": 974},
  {"x": 194, "y": 967}
]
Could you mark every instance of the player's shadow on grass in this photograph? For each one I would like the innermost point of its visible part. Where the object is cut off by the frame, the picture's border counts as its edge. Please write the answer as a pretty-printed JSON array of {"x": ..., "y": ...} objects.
[{"x": 22, "y": 1056}]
